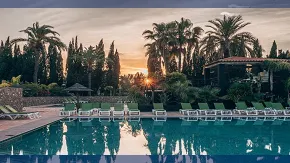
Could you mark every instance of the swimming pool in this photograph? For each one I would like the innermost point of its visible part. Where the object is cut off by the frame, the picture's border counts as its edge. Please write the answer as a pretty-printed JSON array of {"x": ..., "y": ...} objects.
[{"x": 148, "y": 137}]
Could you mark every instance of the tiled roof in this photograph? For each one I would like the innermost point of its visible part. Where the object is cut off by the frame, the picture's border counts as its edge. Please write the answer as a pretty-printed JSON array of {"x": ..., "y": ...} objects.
[{"x": 245, "y": 59}]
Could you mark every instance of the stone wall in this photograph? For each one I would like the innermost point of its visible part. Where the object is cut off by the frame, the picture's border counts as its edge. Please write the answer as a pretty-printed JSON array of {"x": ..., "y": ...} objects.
[
  {"x": 35, "y": 101},
  {"x": 11, "y": 96}
]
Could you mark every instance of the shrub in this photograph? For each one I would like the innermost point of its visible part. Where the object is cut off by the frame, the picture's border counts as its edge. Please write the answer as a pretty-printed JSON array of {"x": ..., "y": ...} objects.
[{"x": 238, "y": 91}]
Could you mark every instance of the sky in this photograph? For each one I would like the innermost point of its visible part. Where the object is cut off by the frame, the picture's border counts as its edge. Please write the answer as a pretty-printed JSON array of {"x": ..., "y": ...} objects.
[{"x": 124, "y": 26}]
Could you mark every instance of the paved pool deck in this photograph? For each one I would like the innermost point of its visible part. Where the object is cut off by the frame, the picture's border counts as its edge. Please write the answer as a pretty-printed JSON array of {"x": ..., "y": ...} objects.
[{"x": 50, "y": 113}]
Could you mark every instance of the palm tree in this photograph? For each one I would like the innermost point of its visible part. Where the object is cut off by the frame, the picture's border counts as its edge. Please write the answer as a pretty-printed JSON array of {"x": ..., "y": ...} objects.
[
  {"x": 160, "y": 36},
  {"x": 91, "y": 57},
  {"x": 226, "y": 32},
  {"x": 38, "y": 36},
  {"x": 180, "y": 38}
]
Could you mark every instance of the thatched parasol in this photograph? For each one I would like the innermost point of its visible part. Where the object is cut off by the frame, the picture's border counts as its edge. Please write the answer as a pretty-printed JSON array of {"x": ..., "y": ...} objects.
[{"x": 78, "y": 88}]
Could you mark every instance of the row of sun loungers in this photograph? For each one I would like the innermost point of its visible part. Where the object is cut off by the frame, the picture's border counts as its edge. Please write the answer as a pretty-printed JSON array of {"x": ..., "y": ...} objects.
[
  {"x": 104, "y": 109},
  {"x": 9, "y": 112},
  {"x": 241, "y": 108}
]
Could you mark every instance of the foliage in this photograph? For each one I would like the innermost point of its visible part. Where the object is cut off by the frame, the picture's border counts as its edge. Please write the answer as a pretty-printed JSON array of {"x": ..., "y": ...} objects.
[
  {"x": 110, "y": 89},
  {"x": 273, "y": 52},
  {"x": 277, "y": 66},
  {"x": 16, "y": 80},
  {"x": 226, "y": 38},
  {"x": 4, "y": 84},
  {"x": 38, "y": 36},
  {"x": 175, "y": 77},
  {"x": 164, "y": 98},
  {"x": 178, "y": 87},
  {"x": 238, "y": 91},
  {"x": 137, "y": 95},
  {"x": 206, "y": 93}
]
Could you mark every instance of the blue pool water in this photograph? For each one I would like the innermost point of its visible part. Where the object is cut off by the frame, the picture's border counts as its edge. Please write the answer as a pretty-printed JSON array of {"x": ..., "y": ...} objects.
[{"x": 148, "y": 137}]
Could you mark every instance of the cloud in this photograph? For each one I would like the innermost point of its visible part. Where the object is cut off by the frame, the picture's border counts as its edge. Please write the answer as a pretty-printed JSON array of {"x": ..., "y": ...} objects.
[{"x": 228, "y": 14}]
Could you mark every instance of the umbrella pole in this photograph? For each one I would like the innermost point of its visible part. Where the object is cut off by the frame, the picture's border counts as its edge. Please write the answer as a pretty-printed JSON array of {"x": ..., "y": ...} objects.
[{"x": 78, "y": 102}]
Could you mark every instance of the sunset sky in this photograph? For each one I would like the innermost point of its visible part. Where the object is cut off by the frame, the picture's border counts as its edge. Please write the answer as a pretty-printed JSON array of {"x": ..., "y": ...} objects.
[{"x": 125, "y": 26}]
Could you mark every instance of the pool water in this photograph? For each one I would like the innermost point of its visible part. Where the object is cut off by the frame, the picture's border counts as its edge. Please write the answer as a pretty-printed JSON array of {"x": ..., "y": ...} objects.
[{"x": 148, "y": 137}]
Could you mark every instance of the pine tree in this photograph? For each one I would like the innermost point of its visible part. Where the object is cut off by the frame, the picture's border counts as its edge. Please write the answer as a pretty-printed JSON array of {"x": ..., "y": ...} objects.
[{"x": 273, "y": 52}]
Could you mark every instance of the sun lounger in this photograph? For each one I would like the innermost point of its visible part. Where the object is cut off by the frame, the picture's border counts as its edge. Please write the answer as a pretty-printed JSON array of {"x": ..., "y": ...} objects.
[
  {"x": 261, "y": 109},
  {"x": 268, "y": 104},
  {"x": 280, "y": 109},
  {"x": 86, "y": 109},
  {"x": 119, "y": 110},
  {"x": 36, "y": 114},
  {"x": 158, "y": 109},
  {"x": 96, "y": 107},
  {"x": 68, "y": 110},
  {"x": 187, "y": 109},
  {"x": 221, "y": 109},
  {"x": 241, "y": 107},
  {"x": 13, "y": 116},
  {"x": 204, "y": 108},
  {"x": 105, "y": 109},
  {"x": 133, "y": 109}
]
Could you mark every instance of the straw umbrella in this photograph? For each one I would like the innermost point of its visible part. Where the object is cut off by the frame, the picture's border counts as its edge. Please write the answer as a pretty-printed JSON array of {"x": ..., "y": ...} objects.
[{"x": 78, "y": 88}]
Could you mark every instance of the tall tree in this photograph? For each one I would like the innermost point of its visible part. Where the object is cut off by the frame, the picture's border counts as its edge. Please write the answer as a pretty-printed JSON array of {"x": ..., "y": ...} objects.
[
  {"x": 6, "y": 60},
  {"x": 110, "y": 66},
  {"x": 257, "y": 49},
  {"x": 91, "y": 58},
  {"x": 38, "y": 36},
  {"x": 154, "y": 60},
  {"x": 43, "y": 67},
  {"x": 284, "y": 54},
  {"x": 75, "y": 68},
  {"x": 160, "y": 36},
  {"x": 273, "y": 52},
  {"x": 59, "y": 67},
  {"x": 117, "y": 70},
  {"x": 98, "y": 72},
  {"x": 225, "y": 32},
  {"x": 55, "y": 65}
]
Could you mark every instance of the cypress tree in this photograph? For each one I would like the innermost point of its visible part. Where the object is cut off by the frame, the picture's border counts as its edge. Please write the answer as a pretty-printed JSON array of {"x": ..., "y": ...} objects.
[
  {"x": 110, "y": 66},
  {"x": 273, "y": 52},
  {"x": 257, "y": 49},
  {"x": 52, "y": 53},
  {"x": 6, "y": 60},
  {"x": 59, "y": 68},
  {"x": 98, "y": 73},
  {"x": 116, "y": 70}
]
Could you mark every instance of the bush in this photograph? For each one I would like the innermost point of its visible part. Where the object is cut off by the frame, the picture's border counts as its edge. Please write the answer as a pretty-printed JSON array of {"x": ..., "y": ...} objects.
[
  {"x": 238, "y": 91},
  {"x": 32, "y": 89}
]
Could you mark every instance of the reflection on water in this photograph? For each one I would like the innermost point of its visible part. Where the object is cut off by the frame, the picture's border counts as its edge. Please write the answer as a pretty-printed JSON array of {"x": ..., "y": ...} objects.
[
  {"x": 145, "y": 159},
  {"x": 148, "y": 137}
]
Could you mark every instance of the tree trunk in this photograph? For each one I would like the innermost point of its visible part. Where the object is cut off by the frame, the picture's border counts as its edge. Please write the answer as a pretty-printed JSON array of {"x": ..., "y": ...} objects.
[
  {"x": 36, "y": 66},
  {"x": 271, "y": 81},
  {"x": 179, "y": 59},
  {"x": 152, "y": 97},
  {"x": 227, "y": 49},
  {"x": 90, "y": 82}
]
